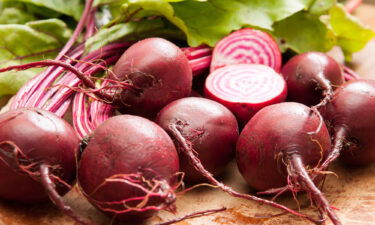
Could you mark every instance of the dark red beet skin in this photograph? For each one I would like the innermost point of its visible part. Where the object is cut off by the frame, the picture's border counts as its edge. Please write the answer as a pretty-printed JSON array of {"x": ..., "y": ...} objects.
[
  {"x": 352, "y": 118},
  {"x": 43, "y": 138},
  {"x": 270, "y": 135},
  {"x": 278, "y": 144},
  {"x": 211, "y": 129},
  {"x": 161, "y": 71},
  {"x": 121, "y": 146},
  {"x": 311, "y": 76}
]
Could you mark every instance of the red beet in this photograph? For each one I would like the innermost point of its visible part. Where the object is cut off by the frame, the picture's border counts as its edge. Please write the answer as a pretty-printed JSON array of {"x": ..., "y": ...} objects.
[
  {"x": 311, "y": 78},
  {"x": 39, "y": 137},
  {"x": 161, "y": 72},
  {"x": 211, "y": 129},
  {"x": 37, "y": 158},
  {"x": 246, "y": 46},
  {"x": 245, "y": 88},
  {"x": 352, "y": 119},
  {"x": 128, "y": 169},
  {"x": 205, "y": 130},
  {"x": 278, "y": 144}
]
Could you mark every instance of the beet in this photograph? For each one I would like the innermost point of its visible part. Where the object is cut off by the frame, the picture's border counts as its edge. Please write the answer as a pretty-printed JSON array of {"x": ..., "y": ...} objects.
[
  {"x": 311, "y": 78},
  {"x": 128, "y": 169},
  {"x": 211, "y": 129},
  {"x": 245, "y": 88},
  {"x": 40, "y": 137},
  {"x": 204, "y": 132},
  {"x": 37, "y": 158},
  {"x": 246, "y": 46},
  {"x": 353, "y": 122},
  {"x": 277, "y": 146},
  {"x": 161, "y": 72}
]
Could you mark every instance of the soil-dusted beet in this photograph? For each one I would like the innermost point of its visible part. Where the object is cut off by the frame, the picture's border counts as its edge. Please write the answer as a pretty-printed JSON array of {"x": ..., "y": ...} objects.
[
  {"x": 311, "y": 78},
  {"x": 159, "y": 69},
  {"x": 277, "y": 147},
  {"x": 351, "y": 116},
  {"x": 128, "y": 169},
  {"x": 246, "y": 46},
  {"x": 245, "y": 88},
  {"x": 211, "y": 129}
]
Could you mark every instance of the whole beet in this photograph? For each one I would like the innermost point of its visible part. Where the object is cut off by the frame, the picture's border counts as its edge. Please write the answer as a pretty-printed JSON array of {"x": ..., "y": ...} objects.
[
  {"x": 211, "y": 129},
  {"x": 128, "y": 169},
  {"x": 311, "y": 77},
  {"x": 278, "y": 144},
  {"x": 352, "y": 120},
  {"x": 161, "y": 72},
  {"x": 29, "y": 138}
]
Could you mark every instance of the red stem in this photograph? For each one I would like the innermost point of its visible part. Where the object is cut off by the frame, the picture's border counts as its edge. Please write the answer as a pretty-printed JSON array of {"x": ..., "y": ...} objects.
[
  {"x": 188, "y": 151},
  {"x": 77, "y": 31},
  {"x": 56, "y": 198},
  {"x": 352, "y": 5}
]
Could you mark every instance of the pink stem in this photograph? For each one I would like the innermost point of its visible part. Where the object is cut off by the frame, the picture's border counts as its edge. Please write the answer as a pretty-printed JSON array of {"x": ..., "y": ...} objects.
[{"x": 352, "y": 5}]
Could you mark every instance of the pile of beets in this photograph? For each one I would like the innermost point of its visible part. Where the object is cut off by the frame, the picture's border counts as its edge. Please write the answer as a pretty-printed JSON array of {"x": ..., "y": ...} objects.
[{"x": 164, "y": 115}]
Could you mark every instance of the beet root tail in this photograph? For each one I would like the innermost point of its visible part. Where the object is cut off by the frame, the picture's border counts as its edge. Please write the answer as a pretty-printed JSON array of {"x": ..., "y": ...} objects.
[
  {"x": 56, "y": 198},
  {"x": 298, "y": 171},
  {"x": 186, "y": 148}
]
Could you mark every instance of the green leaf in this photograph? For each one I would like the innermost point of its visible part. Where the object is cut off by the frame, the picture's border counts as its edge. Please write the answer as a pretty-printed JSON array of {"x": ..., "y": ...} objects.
[
  {"x": 26, "y": 43},
  {"x": 351, "y": 34},
  {"x": 15, "y": 16},
  {"x": 131, "y": 31},
  {"x": 304, "y": 32},
  {"x": 208, "y": 21},
  {"x": 319, "y": 7},
  {"x": 72, "y": 8}
]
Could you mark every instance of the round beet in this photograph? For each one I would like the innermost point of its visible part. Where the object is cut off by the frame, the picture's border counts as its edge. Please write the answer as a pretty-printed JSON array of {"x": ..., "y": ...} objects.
[
  {"x": 353, "y": 121},
  {"x": 128, "y": 169},
  {"x": 276, "y": 146},
  {"x": 159, "y": 70},
  {"x": 311, "y": 78},
  {"x": 211, "y": 129},
  {"x": 29, "y": 138},
  {"x": 245, "y": 88},
  {"x": 205, "y": 132}
]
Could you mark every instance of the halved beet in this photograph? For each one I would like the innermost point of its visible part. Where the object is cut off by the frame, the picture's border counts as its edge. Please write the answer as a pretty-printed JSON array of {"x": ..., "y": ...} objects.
[
  {"x": 247, "y": 46},
  {"x": 245, "y": 88}
]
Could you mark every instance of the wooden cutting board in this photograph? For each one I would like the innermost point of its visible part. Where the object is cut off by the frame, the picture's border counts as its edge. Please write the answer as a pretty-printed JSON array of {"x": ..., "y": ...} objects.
[{"x": 352, "y": 191}]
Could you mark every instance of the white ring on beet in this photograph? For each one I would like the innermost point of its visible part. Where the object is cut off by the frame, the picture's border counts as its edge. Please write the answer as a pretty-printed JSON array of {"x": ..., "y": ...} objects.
[
  {"x": 247, "y": 46},
  {"x": 245, "y": 88}
]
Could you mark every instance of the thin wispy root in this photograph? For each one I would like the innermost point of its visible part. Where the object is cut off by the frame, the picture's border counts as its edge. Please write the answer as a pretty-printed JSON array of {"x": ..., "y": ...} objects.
[
  {"x": 194, "y": 215},
  {"x": 12, "y": 156},
  {"x": 152, "y": 188},
  {"x": 186, "y": 147}
]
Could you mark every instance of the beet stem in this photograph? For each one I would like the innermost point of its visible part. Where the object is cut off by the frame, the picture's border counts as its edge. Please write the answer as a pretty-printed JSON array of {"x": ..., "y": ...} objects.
[
  {"x": 194, "y": 215},
  {"x": 85, "y": 80},
  {"x": 189, "y": 152},
  {"x": 56, "y": 198},
  {"x": 298, "y": 170}
]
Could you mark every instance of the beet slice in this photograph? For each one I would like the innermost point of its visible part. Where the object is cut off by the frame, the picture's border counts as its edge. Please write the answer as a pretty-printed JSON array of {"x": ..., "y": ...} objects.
[
  {"x": 245, "y": 88},
  {"x": 247, "y": 46}
]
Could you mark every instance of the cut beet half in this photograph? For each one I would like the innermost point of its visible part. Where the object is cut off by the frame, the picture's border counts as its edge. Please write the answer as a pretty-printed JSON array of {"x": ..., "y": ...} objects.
[
  {"x": 245, "y": 88},
  {"x": 246, "y": 46}
]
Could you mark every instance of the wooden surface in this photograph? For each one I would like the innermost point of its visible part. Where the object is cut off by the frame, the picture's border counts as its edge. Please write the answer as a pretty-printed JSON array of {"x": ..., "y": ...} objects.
[{"x": 352, "y": 192}]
